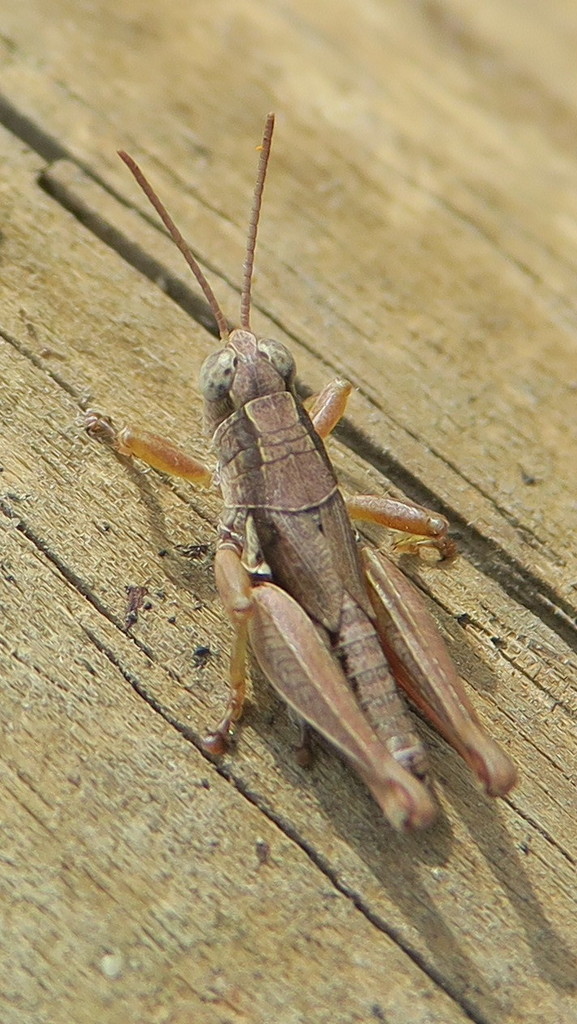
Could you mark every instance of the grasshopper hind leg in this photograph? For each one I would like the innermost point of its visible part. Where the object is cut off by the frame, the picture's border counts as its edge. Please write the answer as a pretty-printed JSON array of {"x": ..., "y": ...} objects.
[
  {"x": 217, "y": 741},
  {"x": 303, "y": 751},
  {"x": 235, "y": 589},
  {"x": 423, "y": 667}
]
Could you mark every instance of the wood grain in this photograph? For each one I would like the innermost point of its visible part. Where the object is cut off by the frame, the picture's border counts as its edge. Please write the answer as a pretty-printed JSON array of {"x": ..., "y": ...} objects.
[{"x": 418, "y": 237}]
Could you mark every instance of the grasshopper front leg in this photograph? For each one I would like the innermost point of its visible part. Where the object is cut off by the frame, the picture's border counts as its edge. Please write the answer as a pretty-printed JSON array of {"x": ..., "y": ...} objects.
[
  {"x": 302, "y": 670},
  {"x": 153, "y": 449}
]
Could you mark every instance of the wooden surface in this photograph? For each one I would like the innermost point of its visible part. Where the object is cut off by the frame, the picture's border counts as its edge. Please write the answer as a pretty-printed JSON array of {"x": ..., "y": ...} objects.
[{"x": 420, "y": 237}]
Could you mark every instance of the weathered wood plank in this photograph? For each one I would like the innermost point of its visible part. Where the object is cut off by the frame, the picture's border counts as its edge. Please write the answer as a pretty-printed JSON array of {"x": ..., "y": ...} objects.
[
  {"x": 434, "y": 266},
  {"x": 133, "y": 883},
  {"x": 421, "y": 204},
  {"x": 423, "y": 189},
  {"x": 103, "y": 525}
]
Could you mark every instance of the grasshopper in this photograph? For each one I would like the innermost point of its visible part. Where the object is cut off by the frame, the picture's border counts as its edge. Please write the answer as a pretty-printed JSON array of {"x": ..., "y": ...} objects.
[{"x": 333, "y": 626}]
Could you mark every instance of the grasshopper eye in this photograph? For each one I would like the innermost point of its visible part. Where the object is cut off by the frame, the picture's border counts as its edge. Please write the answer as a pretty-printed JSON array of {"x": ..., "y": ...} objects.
[
  {"x": 217, "y": 374},
  {"x": 279, "y": 356}
]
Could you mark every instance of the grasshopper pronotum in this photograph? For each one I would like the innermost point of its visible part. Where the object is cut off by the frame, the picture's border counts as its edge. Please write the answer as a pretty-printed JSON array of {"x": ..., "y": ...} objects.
[{"x": 332, "y": 627}]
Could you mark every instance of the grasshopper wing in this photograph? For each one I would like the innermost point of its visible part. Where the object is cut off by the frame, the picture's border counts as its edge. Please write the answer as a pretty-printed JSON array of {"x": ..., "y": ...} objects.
[
  {"x": 300, "y": 667},
  {"x": 424, "y": 669}
]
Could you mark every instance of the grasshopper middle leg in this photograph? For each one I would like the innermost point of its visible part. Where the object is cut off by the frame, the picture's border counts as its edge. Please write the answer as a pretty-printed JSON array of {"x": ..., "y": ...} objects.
[{"x": 425, "y": 528}]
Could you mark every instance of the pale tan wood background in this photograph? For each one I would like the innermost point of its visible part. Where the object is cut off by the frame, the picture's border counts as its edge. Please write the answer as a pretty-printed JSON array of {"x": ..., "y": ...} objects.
[{"x": 420, "y": 237}]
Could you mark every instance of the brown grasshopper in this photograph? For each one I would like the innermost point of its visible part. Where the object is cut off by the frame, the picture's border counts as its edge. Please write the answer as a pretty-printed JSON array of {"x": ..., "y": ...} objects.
[{"x": 332, "y": 627}]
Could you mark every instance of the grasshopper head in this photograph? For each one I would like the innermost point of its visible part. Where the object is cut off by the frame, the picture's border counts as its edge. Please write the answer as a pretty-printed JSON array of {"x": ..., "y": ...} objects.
[{"x": 246, "y": 368}]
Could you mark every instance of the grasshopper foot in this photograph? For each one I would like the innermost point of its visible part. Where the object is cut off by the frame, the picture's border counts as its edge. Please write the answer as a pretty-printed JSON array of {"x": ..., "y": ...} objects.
[
  {"x": 216, "y": 743},
  {"x": 433, "y": 549},
  {"x": 99, "y": 426}
]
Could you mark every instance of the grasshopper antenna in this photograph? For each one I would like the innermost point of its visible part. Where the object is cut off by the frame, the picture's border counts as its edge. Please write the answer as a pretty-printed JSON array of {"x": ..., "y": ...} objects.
[
  {"x": 180, "y": 242},
  {"x": 248, "y": 264}
]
